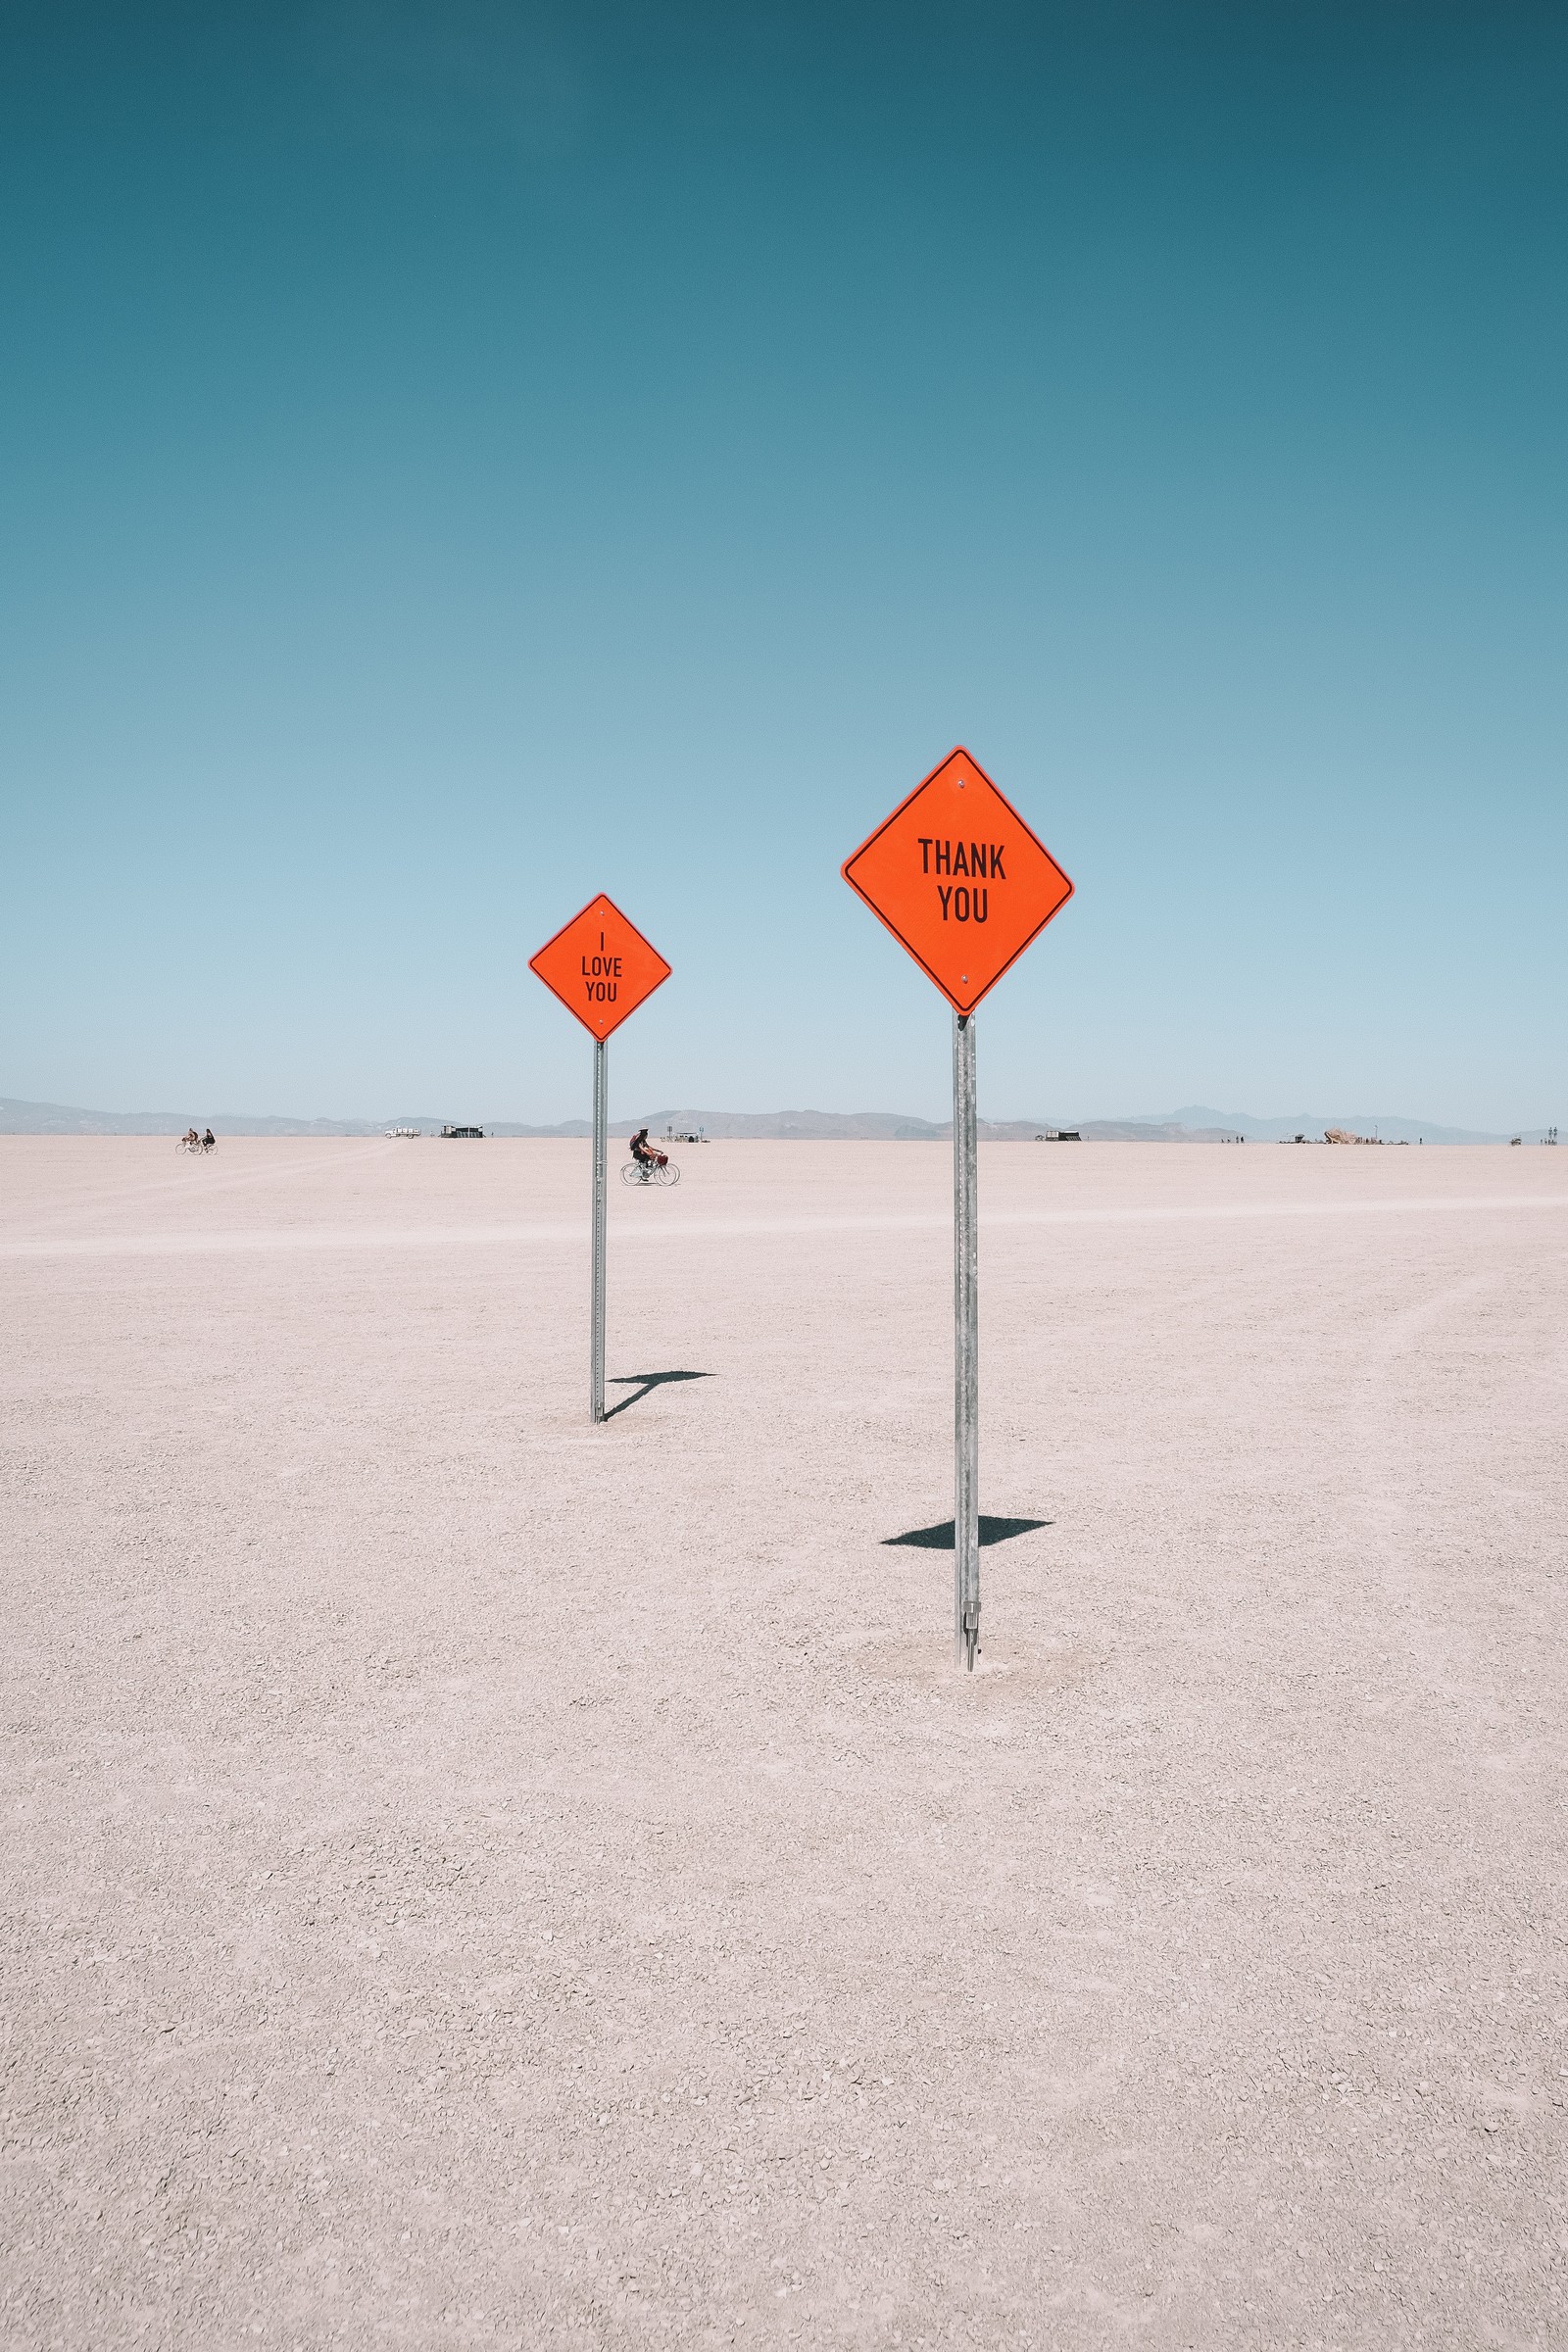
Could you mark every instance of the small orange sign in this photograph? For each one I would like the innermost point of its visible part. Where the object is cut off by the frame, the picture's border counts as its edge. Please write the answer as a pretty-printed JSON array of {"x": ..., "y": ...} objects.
[
  {"x": 600, "y": 966},
  {"x": 959, "y": 880}
]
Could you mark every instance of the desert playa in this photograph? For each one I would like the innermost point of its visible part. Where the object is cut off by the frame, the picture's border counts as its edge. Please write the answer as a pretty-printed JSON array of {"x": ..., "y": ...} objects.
[{"x": 479, "y": 1880}]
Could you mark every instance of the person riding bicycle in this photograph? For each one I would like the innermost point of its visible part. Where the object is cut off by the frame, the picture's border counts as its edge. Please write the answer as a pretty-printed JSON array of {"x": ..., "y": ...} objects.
[
  {"x": 209, "y": 1139},
  {"x": 644, "y": 1153}
]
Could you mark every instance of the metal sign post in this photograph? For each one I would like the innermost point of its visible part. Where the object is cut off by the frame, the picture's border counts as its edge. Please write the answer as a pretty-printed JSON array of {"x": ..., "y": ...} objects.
[
  {"x": 602, "y": 968},
  {"x": 962, "y": 883},
  {"x": 596, "y": 1342},
  {"x": 965, "y": 1347}
]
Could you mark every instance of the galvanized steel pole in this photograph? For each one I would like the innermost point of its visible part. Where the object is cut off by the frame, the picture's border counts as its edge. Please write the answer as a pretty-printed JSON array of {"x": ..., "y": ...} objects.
[
  {"x": 966, "y": 1348},
  {"x": 596, "y": 1343}
]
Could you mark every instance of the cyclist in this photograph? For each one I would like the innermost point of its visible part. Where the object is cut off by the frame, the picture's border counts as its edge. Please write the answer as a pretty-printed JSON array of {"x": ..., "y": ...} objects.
[
  {"x": 644, "y": 1153},
  {"x": 209, "y": 1139}
]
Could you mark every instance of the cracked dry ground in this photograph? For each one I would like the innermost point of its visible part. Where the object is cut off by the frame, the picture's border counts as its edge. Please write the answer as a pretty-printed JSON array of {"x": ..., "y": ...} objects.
[{"x": 474, "y": 1880}]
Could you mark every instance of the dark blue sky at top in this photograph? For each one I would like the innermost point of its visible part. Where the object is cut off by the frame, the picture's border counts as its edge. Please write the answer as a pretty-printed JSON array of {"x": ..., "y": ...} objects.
[{"x": 457, "y": 458}]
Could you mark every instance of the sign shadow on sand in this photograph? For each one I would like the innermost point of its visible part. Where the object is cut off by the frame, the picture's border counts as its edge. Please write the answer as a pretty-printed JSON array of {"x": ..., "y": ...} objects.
[
  {"x": 940, "y": 1537},
  {"x": 643, "y": 1384}
]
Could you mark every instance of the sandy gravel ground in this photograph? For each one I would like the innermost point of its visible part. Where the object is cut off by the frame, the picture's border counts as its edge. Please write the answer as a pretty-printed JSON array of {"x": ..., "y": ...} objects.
[{"x": 473, "y": 1880}]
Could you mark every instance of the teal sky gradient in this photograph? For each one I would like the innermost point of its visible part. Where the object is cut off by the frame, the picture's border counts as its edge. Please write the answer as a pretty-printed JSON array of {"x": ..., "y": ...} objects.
[{"x": 461, "y": 458}]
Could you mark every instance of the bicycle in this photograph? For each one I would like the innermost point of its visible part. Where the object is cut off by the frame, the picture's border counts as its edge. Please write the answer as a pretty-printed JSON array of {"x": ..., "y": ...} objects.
[
  {"x": 199, "y": 1145},
  {"x": 650, "y": 1171}
]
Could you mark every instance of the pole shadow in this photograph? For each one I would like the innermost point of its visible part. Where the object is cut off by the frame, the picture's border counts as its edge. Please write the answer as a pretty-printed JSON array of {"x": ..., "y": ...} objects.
[
  {"x": 643, "y": 1384},
  {"x": 992, "y": 1531}
]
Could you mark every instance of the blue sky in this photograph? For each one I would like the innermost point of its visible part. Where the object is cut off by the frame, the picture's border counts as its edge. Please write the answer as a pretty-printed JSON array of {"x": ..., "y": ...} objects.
[{"x": 461, "y": 458}]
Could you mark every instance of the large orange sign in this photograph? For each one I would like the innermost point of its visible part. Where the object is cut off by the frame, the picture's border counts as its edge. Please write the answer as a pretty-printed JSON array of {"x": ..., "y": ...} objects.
[
  {"x": 959, "y": 880},
  {"x": 600, "y": 966}
]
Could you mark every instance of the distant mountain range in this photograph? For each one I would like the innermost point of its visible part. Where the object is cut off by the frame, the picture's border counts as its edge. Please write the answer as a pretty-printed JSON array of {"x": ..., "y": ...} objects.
[{"x": 1195, "y": 1123}]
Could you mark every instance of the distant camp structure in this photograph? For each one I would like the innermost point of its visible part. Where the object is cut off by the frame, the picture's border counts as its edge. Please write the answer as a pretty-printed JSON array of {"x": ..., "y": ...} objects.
[
  {"x": 685, "y": 1135},
  {"x": 393, "y": 1132},
  {"x": 1340, "y": 1135},
  {"x": 1060, "y": 1135},
  {"x": 463, "y": 1133}
]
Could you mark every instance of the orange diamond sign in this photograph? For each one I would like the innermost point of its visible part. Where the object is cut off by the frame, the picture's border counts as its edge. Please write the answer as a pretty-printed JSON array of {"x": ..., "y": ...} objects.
[
  {"x": 959, "y": 880},
  {"x": 600, "y": 966}
]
